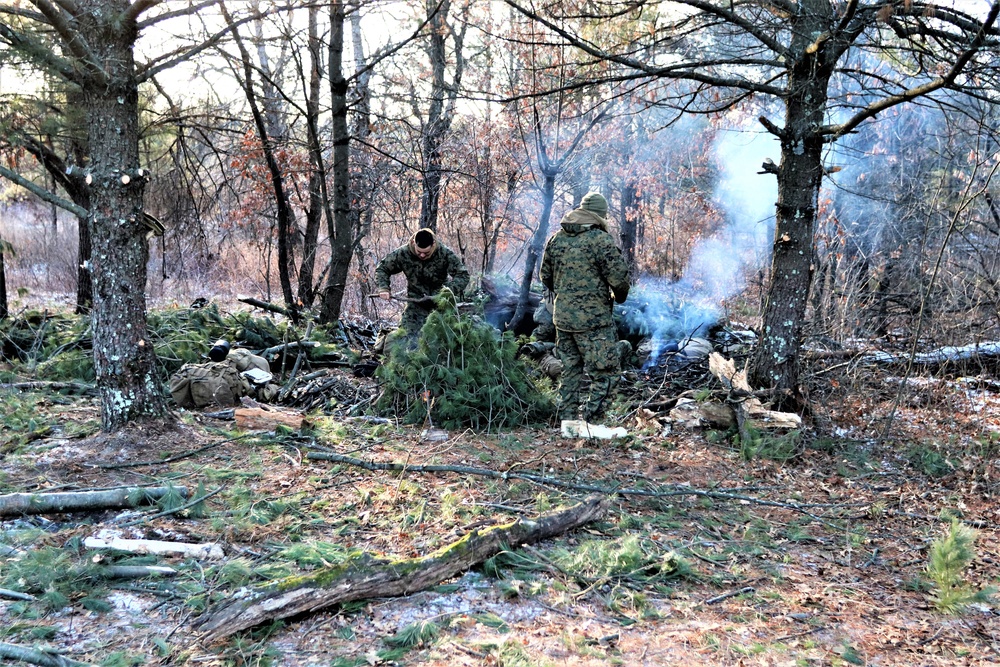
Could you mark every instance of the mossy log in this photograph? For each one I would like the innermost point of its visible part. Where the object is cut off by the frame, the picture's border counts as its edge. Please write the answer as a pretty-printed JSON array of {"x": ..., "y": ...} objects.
[
  {"x": 367, "y": 577},
  {"x": 37, "y": 657},
  {"x": 17, "y": 504}
]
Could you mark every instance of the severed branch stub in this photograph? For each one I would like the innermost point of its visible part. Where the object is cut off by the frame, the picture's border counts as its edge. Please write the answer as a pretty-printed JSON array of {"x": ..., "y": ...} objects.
[{"x": 367, "y": 577}]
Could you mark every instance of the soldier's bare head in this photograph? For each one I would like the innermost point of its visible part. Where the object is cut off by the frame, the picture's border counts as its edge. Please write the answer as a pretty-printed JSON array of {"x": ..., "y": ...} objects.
[{"x": 423, "y": 244}]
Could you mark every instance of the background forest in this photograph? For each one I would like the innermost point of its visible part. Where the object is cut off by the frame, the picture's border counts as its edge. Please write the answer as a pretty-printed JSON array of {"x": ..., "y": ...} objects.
[
  {"x": 820, "y": 173},
  {"x": 470, "y": 119}
]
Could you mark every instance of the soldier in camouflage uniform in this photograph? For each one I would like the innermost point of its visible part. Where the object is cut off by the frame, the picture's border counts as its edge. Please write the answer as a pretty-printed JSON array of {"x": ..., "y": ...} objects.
[
  {"x": 587, "y": 273},
  {"x": 426, "y": 265}
]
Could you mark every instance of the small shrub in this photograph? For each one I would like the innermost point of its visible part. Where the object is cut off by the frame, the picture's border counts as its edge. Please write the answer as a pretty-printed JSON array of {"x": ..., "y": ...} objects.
[
  {"x": 461, "y": 373},
  {"x": 421, "y": 633},
  {"x": 774, "y": 447},
  {"x": 929, "y": 460},
  {"x": 949, "y": 557}
]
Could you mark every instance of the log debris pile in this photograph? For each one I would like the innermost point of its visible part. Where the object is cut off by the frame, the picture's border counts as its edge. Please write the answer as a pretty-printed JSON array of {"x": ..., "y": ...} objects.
[{"x": 739, "y": 406}]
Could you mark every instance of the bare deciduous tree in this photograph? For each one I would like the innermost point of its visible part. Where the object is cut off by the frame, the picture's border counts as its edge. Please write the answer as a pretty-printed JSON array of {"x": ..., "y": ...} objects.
[{"x": 721, "y": 54}]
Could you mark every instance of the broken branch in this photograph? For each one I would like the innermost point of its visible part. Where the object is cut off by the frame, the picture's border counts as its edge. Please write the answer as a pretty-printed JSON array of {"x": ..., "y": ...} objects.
[
  {"x": 264, "y": 305},
  {"x": 208, "y": 550}
]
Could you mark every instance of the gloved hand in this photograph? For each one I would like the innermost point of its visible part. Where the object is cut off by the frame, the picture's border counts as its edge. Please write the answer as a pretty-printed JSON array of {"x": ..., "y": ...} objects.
[{"x": 620, "y": 295}]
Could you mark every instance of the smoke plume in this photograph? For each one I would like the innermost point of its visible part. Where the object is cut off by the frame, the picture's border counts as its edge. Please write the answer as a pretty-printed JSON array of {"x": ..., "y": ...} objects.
[{"x": 670, "y": 311}]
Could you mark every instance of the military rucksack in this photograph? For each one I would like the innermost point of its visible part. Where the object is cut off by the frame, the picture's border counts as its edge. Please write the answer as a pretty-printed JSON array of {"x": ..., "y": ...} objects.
[{"x": 201, "y": 385}]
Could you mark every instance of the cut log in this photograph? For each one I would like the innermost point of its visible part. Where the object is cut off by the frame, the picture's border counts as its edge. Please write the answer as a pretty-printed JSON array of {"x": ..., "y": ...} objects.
[
  {"x": 695, "y": 414},
  {"x": 748, "y": 408},
  {"x": 208, "y": 551},
  {"x": 366, "y": 577},
  {"x": 257, "y": 419},
  {"x": 16, "y": 504}
]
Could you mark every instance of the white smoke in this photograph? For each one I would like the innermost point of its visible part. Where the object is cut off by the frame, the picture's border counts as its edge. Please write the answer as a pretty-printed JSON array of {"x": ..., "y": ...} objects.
[{"x": 668, "y": 311}]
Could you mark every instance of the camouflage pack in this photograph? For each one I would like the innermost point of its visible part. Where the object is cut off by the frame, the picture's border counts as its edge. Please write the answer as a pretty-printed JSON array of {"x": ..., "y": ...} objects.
[{"x": 215, "y": 384}]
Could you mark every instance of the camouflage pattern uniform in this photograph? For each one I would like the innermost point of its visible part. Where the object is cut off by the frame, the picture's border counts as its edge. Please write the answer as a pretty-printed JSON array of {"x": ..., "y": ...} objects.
[
  {"x": 587, "y": 273},
  {"x": 424, "y": 278}
]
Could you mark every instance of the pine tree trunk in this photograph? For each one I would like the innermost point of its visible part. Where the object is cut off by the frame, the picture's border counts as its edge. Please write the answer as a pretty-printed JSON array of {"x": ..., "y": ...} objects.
[
  {"x": 124, "y": 361},
  {"x": 776, "y": 359}
]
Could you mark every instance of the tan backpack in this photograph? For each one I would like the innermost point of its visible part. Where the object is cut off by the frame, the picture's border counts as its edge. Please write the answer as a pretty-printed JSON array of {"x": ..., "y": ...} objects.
[{"x": 202, "y": 385}]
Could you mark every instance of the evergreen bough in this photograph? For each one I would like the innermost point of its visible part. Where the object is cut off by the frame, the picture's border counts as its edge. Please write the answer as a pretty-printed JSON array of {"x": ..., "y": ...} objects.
[
  {"x": 461, "y": 372},
  {"x": 949, "y": 557}
]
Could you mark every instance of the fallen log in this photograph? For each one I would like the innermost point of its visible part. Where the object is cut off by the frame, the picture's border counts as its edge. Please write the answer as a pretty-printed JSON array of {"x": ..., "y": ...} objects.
[
  {"x": 287, "y": 347},
  {"x": 366, "y": 577},
  {"x": 949, "y": 354},
  {"x": 16, "y": 504},
  {"x": 207, "y": 550},
  {"x": 37, "y": 656},
  {"x": 265, "y": 305},
  {"x": 41, "y": 385}
]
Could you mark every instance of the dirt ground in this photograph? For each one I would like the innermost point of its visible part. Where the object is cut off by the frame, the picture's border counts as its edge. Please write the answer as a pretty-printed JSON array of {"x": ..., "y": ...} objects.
[{"x": 820, "y": 559}]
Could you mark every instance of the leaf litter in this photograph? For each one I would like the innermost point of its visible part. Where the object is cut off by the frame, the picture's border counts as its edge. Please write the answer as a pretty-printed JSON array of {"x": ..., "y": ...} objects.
[{"x": 832, "y": 571}]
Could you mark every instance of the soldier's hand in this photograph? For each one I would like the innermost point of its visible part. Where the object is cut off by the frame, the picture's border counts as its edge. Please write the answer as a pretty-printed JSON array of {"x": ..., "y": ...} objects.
[{"x": 384, "y": 295}]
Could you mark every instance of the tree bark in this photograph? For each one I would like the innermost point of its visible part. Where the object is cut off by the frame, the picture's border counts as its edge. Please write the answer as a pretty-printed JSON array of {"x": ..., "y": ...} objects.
[
  {"x": 536, "y": 248},
  {"x": 285, "y": 215},
  {"x": 438, "y": 118},
  {"x": 124, "y": 361},
  {"x": 775, "y": 363},
  {"x": 368, "y": 577},
  {"x": 17, "y": 504},
  {"x": 4, "y": 309},
  {"x": 314, "y": 214},
  {"x": 628, "y": 224},
  {"x": 341, "y": 226}
]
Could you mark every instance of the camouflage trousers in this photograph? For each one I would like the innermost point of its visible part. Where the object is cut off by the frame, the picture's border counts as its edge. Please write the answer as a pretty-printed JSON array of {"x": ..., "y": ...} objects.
[
  {"x": 593, "y": 354},
  {"x": 413, "y": 318}
]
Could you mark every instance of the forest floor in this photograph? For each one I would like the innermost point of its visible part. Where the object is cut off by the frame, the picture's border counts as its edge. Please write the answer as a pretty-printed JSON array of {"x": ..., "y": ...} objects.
[{"x": 729, "y": 557}]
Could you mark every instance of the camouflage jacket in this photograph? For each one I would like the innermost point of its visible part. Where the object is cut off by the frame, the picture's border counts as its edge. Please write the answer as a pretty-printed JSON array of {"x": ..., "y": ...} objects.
[
  {"x": 586, "y": 271},
  {"x": 423, "y": 278}
]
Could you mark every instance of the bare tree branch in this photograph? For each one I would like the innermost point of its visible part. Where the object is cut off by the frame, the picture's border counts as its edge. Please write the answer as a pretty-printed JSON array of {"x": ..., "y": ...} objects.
[
  {"x": 872, "y": 110},
  {"x": 72, "y": 38},
  {"x": 138, "y": 7},
  {"x": 44, "y": 194}
]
